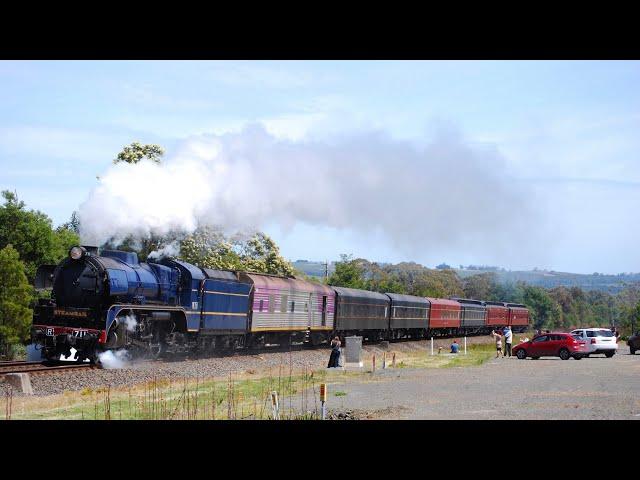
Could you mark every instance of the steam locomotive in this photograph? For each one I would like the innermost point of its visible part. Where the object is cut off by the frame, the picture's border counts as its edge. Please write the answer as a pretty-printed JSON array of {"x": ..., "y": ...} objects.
[{"x": 112, "y": 301}]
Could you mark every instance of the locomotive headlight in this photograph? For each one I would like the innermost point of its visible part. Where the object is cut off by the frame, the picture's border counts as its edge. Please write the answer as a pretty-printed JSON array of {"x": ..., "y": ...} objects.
[{"x": 76, "y": 253}]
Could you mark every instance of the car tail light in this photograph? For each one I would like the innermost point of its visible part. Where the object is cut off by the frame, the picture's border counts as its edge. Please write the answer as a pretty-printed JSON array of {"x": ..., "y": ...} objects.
[{"x": 593, "y": 340}]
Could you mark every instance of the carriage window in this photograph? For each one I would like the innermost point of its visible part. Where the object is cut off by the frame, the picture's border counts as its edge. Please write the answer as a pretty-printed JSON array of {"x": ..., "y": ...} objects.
[
  {"x": 283, "y": 304},
  {"x": 293, "y": 307},
  {"x": 261, "y": 303},
  {"x": 306, "y": 307}
]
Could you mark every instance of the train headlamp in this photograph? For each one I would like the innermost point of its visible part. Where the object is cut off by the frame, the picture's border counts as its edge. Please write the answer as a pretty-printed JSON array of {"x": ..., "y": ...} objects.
[{"x": 76, "y": 253}]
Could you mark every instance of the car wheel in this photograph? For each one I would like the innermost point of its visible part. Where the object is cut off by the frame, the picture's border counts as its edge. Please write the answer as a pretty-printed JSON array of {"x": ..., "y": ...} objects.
[
  {"x": 521, "y": 354},
  {"x": 564, "y": 354},
  {"x": 586, "y": 356},
  {"x": 632, "y": 350},
  {"x": 577, "y": 357},
  {"x": 609, "y": 354}
]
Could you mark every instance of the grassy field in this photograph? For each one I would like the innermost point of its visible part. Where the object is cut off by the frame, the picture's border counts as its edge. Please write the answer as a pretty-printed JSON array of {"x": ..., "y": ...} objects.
[
  {"x": 476, "y": 355},
  {"x": 235, "y": 397},
  {"x": 162, "y": 399}
]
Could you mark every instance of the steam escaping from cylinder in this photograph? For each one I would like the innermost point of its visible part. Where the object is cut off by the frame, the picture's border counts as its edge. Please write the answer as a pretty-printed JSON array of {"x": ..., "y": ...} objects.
[
  {"x": 114, "y": 360},
  {"x": 130, "y": 323},
  {"x": 446, "y": 193}
]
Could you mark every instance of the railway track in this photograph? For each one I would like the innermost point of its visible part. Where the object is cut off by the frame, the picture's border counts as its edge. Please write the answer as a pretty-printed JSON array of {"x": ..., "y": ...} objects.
[{"x": 39, "y": 367}]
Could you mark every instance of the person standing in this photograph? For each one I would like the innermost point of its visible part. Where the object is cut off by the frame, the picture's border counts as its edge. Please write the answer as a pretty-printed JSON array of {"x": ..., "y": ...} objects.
[
  {"x": 498, "y": 339},
  {"x": 334, "y": 359},
  {"x": 508, "y": 338}
]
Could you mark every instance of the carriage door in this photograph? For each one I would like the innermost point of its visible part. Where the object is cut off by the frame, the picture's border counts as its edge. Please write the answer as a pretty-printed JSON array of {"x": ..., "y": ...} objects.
[{"x": 324, "y": 310}]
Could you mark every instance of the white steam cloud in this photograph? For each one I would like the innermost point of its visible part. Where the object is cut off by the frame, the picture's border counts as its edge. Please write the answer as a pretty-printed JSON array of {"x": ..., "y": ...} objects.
[
  {"x": 445, "y": 193},
  {"x": 130, "y": 323},
  {"x": 170, "y": 250},
  {"x": 111, "y": 360}
]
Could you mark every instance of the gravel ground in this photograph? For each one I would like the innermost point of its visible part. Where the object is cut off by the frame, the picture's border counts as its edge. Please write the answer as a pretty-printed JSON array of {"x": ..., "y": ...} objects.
[
  {"x": 219, "y": 367},
  {"x": 503, "y": 388}
]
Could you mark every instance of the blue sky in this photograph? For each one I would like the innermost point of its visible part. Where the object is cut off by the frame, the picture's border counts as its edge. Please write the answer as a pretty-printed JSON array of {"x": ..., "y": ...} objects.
[{"x": 567, "y": 131}]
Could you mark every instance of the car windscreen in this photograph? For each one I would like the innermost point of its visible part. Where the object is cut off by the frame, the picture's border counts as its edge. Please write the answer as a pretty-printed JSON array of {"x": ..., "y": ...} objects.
[{"x": 605, "y": 333}]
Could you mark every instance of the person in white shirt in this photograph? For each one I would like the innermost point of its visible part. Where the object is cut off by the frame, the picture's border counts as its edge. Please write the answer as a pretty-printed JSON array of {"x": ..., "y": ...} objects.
[{"x": 508, "y": 338}]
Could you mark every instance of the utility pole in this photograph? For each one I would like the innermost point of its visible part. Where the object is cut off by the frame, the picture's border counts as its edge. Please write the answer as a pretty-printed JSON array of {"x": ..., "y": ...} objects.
[{"x": 326, "y": 270}]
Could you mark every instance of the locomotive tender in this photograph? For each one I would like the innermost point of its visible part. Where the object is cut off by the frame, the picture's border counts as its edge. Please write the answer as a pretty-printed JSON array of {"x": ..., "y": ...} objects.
[{"x": 113, "y": 301}]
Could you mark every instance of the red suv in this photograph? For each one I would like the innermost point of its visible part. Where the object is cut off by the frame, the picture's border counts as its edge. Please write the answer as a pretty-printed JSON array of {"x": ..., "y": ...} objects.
[{"x": 563, "y": 345}]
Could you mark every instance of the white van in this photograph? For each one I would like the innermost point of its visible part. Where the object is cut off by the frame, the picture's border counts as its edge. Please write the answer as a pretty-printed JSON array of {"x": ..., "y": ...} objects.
[{"x": 598, "y": 340}]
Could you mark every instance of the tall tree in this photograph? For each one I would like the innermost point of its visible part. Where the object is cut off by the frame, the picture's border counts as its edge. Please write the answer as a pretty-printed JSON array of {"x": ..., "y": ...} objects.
[
  {"x": 15, "y": 295},
  {"x": 136, "y": 151},
  {"x": 261, "y": 254},
  {"x": 207, "y": 247},
  {"x": 479, "y": 286},
  {"x": 348, "y": 273},
  {"x": 73, "y": 224},
  {"x": 30, "y": 233},
  {"x": 634, "y": 319},
  {"x": 544, "y": 311}
]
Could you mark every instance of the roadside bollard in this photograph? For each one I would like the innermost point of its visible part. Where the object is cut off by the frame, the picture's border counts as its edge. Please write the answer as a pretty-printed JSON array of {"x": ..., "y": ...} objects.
[
  {"x": 393, "y": 360},
  {"x": 384, "y": 360},
  {"x": 275, "y": 407},
  {"x": 323, "y": 399},
  {"x": 431, "y": 345},
  {"x": 374, "y": 364},
  {"x": 465, "y": 345}
]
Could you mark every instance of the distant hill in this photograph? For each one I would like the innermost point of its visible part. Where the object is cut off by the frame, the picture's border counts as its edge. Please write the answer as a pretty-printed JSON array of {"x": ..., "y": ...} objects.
[
  {"x": 542, "y": 278},
  {"x": 313, "y": 268},
  {"x": 551, "y": 279}
]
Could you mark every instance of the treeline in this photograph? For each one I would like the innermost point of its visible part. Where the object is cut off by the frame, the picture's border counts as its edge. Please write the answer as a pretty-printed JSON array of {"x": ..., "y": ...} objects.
[
  {"x": 556, "y": 308},
  {"x": 27, "y": 240}
]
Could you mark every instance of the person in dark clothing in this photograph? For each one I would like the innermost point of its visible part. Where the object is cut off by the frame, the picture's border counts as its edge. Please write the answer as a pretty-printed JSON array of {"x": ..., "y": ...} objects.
[{"x": 334, "y": 359}]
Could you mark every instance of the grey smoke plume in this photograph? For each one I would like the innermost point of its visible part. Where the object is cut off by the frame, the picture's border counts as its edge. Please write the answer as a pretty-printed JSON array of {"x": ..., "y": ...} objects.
[{"x": 445, "y": 193}]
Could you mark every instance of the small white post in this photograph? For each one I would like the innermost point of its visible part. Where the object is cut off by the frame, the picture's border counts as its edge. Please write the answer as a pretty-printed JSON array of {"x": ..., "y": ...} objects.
[
  {"x": 384, "y": 360},
  {"x": 431, "y": 345},
  {"x": 275, "y": 407},
  {"x": 323, "y": 399},
  {"x": 465, "y": 345}
]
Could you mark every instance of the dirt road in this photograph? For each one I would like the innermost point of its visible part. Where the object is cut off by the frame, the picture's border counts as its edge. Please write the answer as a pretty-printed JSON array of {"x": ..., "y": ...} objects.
[{"x": 506, "y": 388}]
